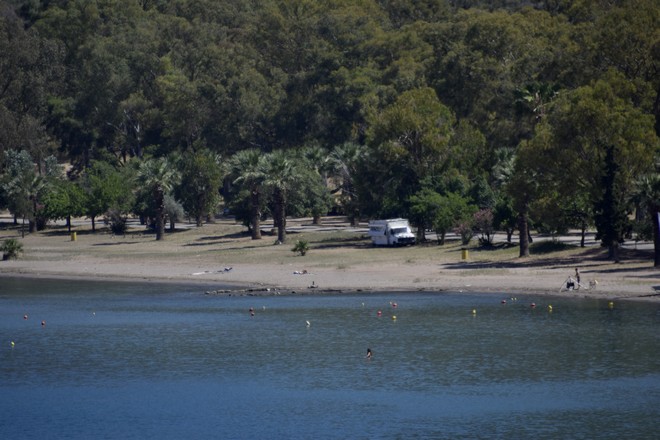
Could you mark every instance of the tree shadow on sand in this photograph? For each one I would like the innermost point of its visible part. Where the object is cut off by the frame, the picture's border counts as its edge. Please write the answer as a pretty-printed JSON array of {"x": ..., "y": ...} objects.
[{"x": 591, "y": 258}]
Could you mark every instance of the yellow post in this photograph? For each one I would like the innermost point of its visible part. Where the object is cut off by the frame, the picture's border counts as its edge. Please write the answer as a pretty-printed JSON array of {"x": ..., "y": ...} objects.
[
  {"x": 74, "y": 236},
  {"x": 464, "y": 254}
]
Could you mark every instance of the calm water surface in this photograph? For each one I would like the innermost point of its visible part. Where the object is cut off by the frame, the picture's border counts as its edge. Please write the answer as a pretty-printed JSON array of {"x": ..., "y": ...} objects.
[{"x": 135, "y": 361}]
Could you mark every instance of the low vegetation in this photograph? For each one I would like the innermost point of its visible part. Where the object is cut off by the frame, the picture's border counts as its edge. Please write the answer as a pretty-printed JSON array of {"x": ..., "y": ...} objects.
[{"x": 11, "y": 248}]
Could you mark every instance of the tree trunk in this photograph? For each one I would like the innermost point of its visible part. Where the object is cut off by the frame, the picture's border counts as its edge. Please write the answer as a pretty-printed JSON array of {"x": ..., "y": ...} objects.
[
  {"x": 354, "y": 218},
  {"x": 32, "y": 222},
  {"x": 509, "y": 234},
  {"x": 421, "y": 234},
  {"x": 584, "y": 233},
  {"x": 655, "y": 216},
  {"x": 255, "y": 215},
  {"x": 160, "y": 215},
  {"x": 93, "y": 223},
  {"x": 524, "y": 234},
  {"x": 281, "y": 215},
  {"x": 68, "y": 223},
  {"x": 613, "y": 251},
  {"x": 316, "y": 220}
]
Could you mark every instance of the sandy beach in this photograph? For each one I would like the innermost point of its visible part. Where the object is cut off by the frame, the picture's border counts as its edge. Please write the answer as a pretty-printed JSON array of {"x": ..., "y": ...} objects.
[{"x": 223, "y": 259}]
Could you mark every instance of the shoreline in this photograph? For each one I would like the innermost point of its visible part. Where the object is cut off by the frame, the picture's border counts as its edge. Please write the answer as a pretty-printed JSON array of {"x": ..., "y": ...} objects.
[
  {"x": 341, "y": 259},
  {"x": 209, "y": 287}
]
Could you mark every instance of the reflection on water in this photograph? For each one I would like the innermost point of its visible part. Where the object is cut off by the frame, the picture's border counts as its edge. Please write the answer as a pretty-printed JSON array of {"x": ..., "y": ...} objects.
[{"x": 121, "y": 360}]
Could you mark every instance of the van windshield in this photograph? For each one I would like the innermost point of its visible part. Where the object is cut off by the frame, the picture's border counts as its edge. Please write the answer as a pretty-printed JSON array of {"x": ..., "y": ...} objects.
[{"x": 399, "y": 230}]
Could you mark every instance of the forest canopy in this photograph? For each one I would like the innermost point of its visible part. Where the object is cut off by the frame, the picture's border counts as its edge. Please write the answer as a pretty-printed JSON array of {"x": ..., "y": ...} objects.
[{"x": 545, "y": 113}]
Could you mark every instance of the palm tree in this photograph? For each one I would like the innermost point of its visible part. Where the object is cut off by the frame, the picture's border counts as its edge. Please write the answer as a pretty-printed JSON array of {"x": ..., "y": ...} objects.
[
  {"x": 345, "y": 160},
  {"x": 159, "y": 177},
  {"x": 281, "y": 176},
  {"x": 248, "y": 170},
  {"x": 321, "y": 164}
]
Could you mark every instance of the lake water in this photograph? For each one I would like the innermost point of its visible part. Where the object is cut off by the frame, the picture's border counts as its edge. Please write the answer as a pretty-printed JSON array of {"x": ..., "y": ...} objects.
[{"x": 140, "y": 361}]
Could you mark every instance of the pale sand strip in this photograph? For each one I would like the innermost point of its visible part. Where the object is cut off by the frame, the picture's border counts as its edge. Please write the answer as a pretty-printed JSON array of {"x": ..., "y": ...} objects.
[{"x": 201, "y": 256}]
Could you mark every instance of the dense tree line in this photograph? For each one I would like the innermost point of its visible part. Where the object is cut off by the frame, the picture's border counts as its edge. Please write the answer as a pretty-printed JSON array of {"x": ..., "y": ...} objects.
[{"x": 462, "y": 115}]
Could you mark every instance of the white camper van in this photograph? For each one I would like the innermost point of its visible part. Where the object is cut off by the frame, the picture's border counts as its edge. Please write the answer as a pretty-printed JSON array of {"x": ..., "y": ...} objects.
[{"x": 392, "y": 232}]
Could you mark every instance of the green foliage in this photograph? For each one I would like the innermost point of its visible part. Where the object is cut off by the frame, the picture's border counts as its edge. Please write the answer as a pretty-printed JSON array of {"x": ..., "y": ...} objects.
[
  {"x": 118, "y": 221},
  {"x": 106, "y": 188},
  {"x": 65, "y": 199},
  {"x": 466, "y": 230},
  {"x": 605, "y": 143},
  {"x": 301, "y": 247},
  {"x": 482, "y": 222},
  {"x": 425, "y": 208},
  {"x": 248, "y": 175},
  {"x": 174, "y": 211},
  {"x": 403, "y": 94},
  {"x": 310, "y": 195},
  {"x": 23, "y": 188},
  {"x": 455, "y": 212},
  {"x": 504, "y": 216},
  {"x": 11, "y": 248},
  {"x": 410, "y": 141},
  {"x": 281, "y": 176},
  {"x": 157, "y": 178},
  {"x": 201, "y": 178}
]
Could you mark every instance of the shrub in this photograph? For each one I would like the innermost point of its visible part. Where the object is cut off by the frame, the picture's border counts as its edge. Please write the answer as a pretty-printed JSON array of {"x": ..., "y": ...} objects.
[
  {"x": 118, "y": 222},
  {"x": 464, "y": 229},
  {"x": 301, "y": 246},
  {"x": 11, "y": 248},
  {"x": 483, "y": 223}
]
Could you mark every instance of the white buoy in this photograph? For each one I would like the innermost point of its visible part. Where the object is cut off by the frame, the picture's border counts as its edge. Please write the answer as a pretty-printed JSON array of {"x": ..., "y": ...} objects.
[{"x": 308, "y": 323}]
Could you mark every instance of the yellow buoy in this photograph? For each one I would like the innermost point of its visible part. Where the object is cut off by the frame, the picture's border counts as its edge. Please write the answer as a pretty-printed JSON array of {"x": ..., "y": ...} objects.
[
  {"x": 611, "y": 304},
  {"x": 393, "y": 317},
  {"x": 474, "y": 311},
  {"x": 12, "y": 344},
  {"x": 550, "y": 308}
]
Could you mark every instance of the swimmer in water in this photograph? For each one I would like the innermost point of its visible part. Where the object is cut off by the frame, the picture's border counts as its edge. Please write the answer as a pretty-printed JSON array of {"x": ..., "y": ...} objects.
[{"x": 369, "y": 353}]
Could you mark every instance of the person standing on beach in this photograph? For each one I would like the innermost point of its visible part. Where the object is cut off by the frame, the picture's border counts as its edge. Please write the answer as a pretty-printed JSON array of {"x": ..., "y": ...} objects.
[{"x": 577, "y": 277}]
